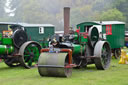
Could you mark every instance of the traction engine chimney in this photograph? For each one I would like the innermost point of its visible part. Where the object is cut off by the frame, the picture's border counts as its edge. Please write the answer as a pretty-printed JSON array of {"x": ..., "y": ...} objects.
[{"x": 66, "y": 20}]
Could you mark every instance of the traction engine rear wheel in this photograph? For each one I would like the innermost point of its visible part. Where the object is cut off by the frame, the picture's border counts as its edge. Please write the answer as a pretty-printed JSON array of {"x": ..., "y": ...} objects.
[
  {"x": 102, "y": 53},
  {"x": 30, "y": 52}
]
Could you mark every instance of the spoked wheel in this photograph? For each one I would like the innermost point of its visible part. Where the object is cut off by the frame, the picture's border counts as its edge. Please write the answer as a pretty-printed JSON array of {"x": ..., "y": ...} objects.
[
  {"x": 117, "y": 53},
  {"x": 12, "y": 62},
  {"x": 102, "y": 52},
  {"x": 30, "y": 52}
]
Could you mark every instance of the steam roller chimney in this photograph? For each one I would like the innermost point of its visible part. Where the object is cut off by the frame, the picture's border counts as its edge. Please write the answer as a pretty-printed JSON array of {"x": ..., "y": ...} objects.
[{"x": 66, "y": 20}]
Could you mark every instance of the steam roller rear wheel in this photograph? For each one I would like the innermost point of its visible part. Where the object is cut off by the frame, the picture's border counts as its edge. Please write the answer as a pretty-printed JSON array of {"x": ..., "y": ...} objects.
[
  {"x": 53, "y": 64},
  {"x": 12, "y": 62},
  {"x": 102, "y": 53},
  {"x": 29, "y": 52}
]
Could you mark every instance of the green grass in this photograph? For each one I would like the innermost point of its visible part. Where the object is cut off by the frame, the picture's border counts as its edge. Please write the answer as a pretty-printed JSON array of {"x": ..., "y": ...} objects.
[{"x": 117, "y": 74}]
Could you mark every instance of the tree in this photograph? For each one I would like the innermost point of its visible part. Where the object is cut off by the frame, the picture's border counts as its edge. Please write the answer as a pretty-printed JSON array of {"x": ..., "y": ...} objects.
[
  {"x": 112, "y": 15},
  {"x": 122, "y": 5}
]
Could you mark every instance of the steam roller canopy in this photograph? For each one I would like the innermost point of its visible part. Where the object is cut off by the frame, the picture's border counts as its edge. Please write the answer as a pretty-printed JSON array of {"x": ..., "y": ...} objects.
[
  {"x": 19, "y": 37},
  {"x": 53, "y": 64}
]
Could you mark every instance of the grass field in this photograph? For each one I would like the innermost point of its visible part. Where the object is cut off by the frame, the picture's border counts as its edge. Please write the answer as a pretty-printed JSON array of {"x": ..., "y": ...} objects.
[{"x": 116, "y": 75}]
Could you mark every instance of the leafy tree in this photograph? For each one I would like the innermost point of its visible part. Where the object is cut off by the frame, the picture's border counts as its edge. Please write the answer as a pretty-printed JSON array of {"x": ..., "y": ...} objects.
[
  {"x": 122, "y": 5},
  {"x": 112, "y": 15}
]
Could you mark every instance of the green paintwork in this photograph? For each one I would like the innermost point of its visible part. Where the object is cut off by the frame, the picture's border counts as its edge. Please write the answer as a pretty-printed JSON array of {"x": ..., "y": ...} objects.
[
  {"x": 0, "y": 36},
  {"x": 44, "y": 44},
  {"x": 6, "y": 50},
  {"x": 33, "y": 31},
  {"x": 82, "y": 25},
  {"x": 6, "y": 46},
  {"x": 83, "y": 40},
  {"x": 7, "y": 41},
  {"x": 76, "y": 36},
  {"x": 33, "y": 34},
  {"x": 31, "y": 60},
  {"x": 94, "y": 34},
  {"x": 80, "y": 38},
  {"x": 116, "y": 40},
  {"x": 77, "y": 49}
]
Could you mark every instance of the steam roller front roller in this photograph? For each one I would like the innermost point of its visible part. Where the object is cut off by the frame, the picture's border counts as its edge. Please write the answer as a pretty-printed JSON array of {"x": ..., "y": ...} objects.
[
  {"x": 29, "y": 52},
  {"x": 102, "y": 53},
  {"x": 54, "y": 64}
]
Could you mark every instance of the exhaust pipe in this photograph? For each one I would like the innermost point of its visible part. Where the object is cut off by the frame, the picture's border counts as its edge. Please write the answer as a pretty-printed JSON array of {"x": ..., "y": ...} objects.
[{"x": 66, "y": 20}]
